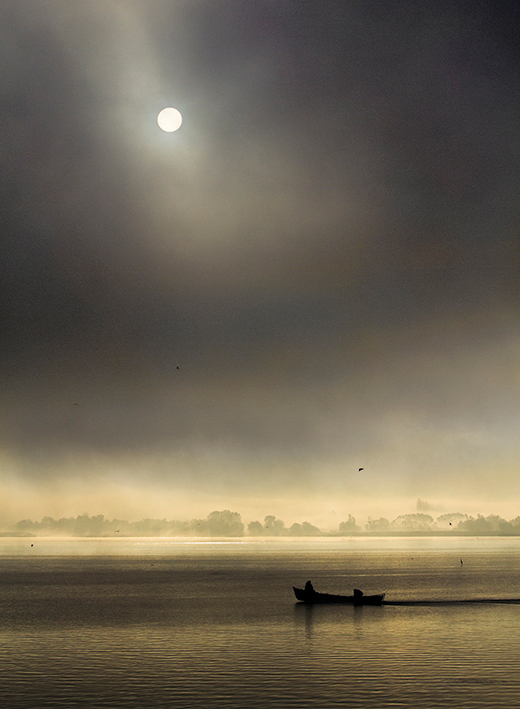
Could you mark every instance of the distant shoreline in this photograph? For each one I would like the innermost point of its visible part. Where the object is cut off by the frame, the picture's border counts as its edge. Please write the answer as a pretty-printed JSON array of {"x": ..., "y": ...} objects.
[
  {"x": 331, "y": 535},
  {"x": 225, "y": 523}
]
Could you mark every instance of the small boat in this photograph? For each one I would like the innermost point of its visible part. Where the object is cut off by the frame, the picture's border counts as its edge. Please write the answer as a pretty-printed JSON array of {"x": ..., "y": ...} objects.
[{"x": 358, "y": 599}]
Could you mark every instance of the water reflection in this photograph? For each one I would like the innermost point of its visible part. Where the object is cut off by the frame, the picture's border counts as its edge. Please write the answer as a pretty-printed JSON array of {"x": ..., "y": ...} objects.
[{"x": 348, "y": 619}]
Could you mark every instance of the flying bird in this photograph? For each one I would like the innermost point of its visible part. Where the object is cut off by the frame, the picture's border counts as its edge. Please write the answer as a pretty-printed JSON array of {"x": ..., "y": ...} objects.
[{"x": 360, "y": 470}]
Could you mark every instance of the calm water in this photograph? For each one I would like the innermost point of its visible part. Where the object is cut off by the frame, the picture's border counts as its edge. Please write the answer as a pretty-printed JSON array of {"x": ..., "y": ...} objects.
[{"x": 194, "y": 623}]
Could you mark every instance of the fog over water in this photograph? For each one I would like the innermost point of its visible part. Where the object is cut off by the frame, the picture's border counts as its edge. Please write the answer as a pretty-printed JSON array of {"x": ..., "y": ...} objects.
[{"x": 317, "y": 273}]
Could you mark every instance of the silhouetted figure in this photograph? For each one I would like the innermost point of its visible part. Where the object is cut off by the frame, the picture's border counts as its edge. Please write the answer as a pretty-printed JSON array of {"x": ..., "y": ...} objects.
[
  {"x": 309, "y": 587},
  {"x": 358, "y": 597},
  {"x": 461, "y": 562}
]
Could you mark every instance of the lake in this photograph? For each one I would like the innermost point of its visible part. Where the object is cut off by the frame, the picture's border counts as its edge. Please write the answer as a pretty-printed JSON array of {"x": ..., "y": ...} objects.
[{"x": 203, "y": 623}]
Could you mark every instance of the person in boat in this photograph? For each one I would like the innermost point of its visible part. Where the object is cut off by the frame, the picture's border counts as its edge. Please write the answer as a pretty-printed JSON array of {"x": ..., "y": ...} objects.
[
  {"x": 309, "y": 588},
  {"x": 358, "y": 597}
]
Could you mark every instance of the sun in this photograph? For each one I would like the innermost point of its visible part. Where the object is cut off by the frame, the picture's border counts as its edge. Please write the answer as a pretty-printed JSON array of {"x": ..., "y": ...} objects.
[{"x": 169, "y": 120}]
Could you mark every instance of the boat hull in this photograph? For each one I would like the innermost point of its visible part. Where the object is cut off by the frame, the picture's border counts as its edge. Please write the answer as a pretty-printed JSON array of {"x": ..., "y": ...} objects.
[{"x": 358, "y": 600}]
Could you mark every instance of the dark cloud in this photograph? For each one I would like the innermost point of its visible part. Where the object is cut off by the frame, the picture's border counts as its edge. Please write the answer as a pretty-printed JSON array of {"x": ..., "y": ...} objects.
[{"x": 320, "y": 265}]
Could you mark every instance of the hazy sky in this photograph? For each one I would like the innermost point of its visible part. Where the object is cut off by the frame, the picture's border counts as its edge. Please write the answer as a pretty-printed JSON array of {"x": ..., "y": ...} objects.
[{"x": 318, "y": 272}]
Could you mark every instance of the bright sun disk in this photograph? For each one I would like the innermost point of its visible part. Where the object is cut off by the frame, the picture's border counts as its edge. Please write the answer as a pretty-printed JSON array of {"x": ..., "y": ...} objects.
[{"x": 169, "y": 120}]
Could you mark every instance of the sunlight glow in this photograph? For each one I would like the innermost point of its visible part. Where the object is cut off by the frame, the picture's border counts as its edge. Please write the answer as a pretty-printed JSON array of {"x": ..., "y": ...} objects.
[{"x": 169, "y": 120}]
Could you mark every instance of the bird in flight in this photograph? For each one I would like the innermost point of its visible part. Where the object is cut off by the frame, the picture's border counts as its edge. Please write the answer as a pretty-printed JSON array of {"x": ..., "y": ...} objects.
[{"x": 360, "y": 470}]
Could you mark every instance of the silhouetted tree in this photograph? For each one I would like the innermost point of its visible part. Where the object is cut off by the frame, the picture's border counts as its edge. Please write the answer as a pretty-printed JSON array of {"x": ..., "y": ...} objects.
[
  {"x": 48, "y": 524},
  {"x": 224, "y": 524},
  {"x": 505, "y": 527},
  {"x": 380, "y": 525},
  {"x": 25, "y": 526},
  {"x": 149, "y": 527},
  {"x": 482, "y": 525},
  {"x": 64, "y": 525},
  {"x": 515, "y": 524},
  {"x": 349, "y": 527},
  {"x": 255, "y": 529},
  {"x": 450, "y": 521},
  {"x": 86, "y": 526},
  {"x": 499, "y": 524},
  {"x": 417, "y": 522},
  {"x": 309, "y": 530},
  {"x": 274, "y": 527}
]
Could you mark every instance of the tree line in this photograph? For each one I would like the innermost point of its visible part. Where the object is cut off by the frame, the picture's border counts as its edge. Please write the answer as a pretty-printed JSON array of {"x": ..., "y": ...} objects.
[{"x": 225, "y": 523}]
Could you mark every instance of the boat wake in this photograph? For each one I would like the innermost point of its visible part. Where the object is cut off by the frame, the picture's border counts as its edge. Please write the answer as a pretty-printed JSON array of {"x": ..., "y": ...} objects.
[{"x": 463, "y": 601}]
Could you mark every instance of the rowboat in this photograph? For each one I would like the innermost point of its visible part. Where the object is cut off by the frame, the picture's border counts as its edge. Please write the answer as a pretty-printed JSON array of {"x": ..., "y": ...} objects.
[{"x": 358, "y": 599}]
